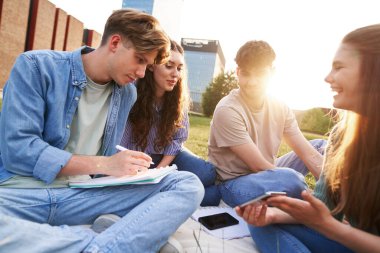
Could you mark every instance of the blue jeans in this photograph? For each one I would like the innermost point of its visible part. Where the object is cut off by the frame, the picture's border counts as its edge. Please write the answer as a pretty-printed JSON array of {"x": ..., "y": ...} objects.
[
  {"x": 145, "y": 210},
  {"x": 206, "y": 172},
  {"x": 293, "y": 238},
  {"x": 290, "y": 180},
  {"x": 17, "y": 235}
]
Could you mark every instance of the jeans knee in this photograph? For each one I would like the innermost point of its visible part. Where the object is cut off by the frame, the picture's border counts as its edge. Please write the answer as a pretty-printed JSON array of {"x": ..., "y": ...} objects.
[
  {"x": 263, "y": 236},
  {"x": 256, "y": 232},
  {"x": 191, "y": 184},
  {"x": 293, "y": 180},
  {"x": 209, "y": 176},
  {"x": 319, "y": 145}
]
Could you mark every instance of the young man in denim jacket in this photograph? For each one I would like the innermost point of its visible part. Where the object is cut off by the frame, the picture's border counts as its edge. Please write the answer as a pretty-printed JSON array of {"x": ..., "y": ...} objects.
[{"x": 63, "y": 114}]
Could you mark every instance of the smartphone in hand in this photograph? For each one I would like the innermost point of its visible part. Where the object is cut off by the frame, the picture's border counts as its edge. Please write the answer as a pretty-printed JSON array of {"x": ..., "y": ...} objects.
[
  {"x": 263, "y": 197},
  {"x": 219, "y": 220}
]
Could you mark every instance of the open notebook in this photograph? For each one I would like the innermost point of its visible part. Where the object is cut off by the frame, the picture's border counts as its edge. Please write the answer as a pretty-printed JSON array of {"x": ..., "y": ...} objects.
[{"x": 151, "y": 176}]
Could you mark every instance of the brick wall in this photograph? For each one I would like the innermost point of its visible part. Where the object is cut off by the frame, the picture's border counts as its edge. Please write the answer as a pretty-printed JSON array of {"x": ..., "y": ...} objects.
[
  {"x": 59, "y": 32},
  {"x": 74, "y": 34},
  {"x": 41, "y": 25},
  {"x": 37, "y": 24},
  {"x": 1, "y": 6},
  {"x": 91, "y": 38},
  {"x": 13, "y": 27},
  {"x": 96, "y": 39}
]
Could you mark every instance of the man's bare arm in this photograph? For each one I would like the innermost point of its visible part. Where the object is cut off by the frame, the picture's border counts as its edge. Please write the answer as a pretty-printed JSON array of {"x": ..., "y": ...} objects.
[
  {"x": 252, "y": 157},
  {"x": 307, "y": 153}
]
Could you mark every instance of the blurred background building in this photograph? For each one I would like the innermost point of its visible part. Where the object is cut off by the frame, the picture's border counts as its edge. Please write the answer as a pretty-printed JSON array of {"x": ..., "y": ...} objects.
[{"x": 204, "y": 58}]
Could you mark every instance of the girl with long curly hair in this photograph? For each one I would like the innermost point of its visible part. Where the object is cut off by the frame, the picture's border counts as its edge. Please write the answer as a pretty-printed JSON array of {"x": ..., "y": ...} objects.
[
  {"x": 344, "y": 213},
  {"x": 158, "y": 123}
]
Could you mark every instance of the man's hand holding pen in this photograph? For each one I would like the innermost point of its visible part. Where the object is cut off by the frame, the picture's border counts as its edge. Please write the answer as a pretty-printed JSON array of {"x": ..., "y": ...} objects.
[{"x": 127, "y": 162}]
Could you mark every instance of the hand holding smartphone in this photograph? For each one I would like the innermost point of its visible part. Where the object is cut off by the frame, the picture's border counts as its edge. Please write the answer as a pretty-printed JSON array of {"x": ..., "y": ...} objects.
[{"x": 263, "y": 197}]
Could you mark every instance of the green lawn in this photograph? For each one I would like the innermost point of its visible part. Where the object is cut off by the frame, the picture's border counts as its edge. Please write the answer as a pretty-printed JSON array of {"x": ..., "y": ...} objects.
[{"x": 198, "y": 138}]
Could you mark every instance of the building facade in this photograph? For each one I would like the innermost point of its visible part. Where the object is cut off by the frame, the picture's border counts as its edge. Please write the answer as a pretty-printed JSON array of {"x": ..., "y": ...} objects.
[{"x": 204, "y": 60}]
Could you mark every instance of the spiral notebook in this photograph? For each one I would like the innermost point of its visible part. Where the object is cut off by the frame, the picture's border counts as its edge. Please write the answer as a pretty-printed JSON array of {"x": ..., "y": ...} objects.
[{"x": 151, "y": 176}]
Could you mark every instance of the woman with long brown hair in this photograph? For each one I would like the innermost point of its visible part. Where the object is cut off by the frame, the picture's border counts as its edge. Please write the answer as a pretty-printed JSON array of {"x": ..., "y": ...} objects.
[
  {"x": 158, "y": 123},
  {"x": 344, "y": 213}
]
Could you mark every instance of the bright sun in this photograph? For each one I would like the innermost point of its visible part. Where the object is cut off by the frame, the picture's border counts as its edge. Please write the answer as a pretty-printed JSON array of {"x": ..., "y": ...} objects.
[{"x": 301, "y": 86}]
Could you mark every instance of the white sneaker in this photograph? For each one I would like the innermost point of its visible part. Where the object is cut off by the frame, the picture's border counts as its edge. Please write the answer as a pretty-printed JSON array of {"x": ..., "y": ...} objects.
[
  {"x": 172, "y": 246},
  {"x": 103, "y": 222}
]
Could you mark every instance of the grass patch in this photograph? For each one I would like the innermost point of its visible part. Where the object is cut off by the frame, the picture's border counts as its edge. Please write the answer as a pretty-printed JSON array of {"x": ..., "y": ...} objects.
[
  {"x": 311, "y": 136},
  {"x": 200, "y": 130},
  {"x": 198, "y": 135}
]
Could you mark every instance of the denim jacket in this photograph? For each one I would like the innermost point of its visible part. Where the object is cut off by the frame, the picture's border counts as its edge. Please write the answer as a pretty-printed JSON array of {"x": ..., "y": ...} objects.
[{"x": 39, "y": 102}]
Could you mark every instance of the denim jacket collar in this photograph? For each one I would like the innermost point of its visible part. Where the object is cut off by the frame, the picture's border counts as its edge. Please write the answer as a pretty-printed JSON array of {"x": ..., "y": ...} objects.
[{"x": 78, "y": 73}]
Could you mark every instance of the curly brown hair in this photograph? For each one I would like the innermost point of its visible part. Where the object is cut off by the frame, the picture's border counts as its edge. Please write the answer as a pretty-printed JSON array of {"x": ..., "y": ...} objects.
[{"x": 175, "y": 104}]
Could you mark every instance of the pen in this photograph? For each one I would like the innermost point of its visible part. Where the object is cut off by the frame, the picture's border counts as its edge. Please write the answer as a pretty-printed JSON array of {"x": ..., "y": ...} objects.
[{"x": 120, "y": 148}]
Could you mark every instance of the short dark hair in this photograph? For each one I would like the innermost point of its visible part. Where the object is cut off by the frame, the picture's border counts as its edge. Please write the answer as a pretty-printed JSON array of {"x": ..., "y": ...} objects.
[{"x": 255, "y": 54}]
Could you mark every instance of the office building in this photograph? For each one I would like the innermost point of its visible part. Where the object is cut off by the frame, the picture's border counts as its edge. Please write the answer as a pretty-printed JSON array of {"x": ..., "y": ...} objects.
[
  {"x": 168, "y": 12},
  {"x": 204, "y": 60}
]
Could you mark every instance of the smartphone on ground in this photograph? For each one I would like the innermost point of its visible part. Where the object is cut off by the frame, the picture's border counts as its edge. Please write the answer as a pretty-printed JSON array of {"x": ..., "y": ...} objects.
[{"x": 219, "y": 220}]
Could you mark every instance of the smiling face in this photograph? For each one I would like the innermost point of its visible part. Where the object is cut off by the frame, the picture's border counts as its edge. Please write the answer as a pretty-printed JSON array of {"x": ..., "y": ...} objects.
[
  {"x": 166, "y": 75},
  {"x": 126, "y": 64},
  {"x": 344, "y": 78}
]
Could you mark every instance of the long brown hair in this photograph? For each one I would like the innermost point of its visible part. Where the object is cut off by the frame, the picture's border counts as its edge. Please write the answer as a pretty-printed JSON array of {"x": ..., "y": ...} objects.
[
  {"x": 352, "y": 166},
  {"x": 175, "y": 104}
]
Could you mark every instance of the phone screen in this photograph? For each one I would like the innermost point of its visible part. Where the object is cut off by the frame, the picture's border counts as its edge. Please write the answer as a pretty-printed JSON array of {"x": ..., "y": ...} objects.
[{"x": 219, "y": 220}]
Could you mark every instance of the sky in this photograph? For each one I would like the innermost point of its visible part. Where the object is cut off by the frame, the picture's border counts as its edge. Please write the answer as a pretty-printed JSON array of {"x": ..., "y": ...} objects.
[{"x": 304, "y": 34}]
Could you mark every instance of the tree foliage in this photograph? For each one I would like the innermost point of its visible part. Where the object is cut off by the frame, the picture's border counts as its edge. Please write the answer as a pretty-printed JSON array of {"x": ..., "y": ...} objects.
[
  {"x": 218, "y": 88},
  {"x": 316, "y": 121}
]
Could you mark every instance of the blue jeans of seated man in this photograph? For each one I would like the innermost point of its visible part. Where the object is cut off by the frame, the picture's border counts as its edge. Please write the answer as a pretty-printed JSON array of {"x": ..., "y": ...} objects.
[
  {"x": 239, "y": 190},
  {"x": 188, "y": 161},
  {"x": 145, "y": 209},
  {"x": 293, "y": 238},
  {"x": 17, "y": 235}
]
